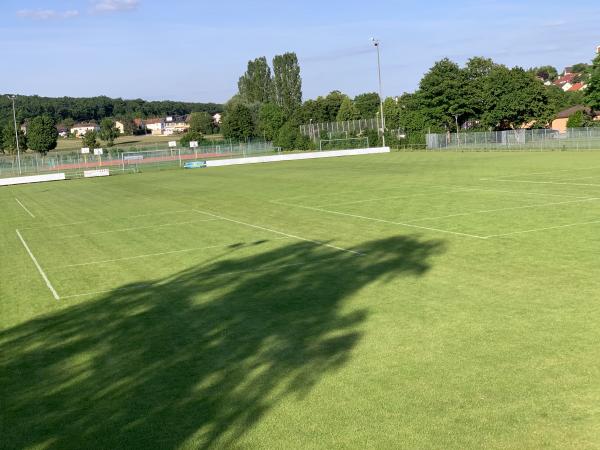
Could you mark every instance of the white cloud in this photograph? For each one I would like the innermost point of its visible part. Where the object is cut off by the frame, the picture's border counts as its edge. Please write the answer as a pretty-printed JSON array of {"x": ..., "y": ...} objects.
[
  {"x": 106, "y": 6},
  {"x": 47, "y": 14}
]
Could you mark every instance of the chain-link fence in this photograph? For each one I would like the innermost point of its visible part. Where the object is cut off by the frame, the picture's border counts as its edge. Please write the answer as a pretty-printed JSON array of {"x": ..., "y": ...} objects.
[
  {"x": 542, "y": 139},
  {"x": 328, "y": 130},
  {"x": 74, "y": 163}
]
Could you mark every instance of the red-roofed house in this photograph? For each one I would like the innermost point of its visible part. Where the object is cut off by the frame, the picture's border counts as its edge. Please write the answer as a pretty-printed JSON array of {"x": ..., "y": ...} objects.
[
  {"x": 577, "y": 87},
  {"x": 566, "y": 81}
]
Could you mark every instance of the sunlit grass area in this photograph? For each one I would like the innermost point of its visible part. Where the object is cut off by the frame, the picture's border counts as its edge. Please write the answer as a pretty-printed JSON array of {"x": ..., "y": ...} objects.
[{"x": 408, "y": 300}]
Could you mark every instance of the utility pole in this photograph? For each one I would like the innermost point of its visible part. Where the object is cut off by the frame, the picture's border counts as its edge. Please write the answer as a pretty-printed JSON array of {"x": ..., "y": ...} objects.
[
  {"x": 376, "y": 43},
  {"x": 12, "y": 97}
]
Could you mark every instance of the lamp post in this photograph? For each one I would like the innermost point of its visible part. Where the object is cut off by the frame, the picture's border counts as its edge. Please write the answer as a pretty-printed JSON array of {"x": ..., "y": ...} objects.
[
  {"x": 457, "y": 129},
  {"x": 376, "y": 44},
  {"x": 12, "y": 97}
]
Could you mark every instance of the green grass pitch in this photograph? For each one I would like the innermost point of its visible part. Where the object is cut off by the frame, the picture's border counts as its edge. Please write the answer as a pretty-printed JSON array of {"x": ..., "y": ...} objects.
[{"x": 409, "y": 300}]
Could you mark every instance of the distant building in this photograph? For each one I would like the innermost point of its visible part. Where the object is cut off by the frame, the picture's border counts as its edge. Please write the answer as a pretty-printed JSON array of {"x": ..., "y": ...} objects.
[
  {"x": 120, "y": 126},
  {"x": 155, "y": 125},
  {"x": 63, "y": 131},
  {"x": 577, "y": 87},
  {"x": 79, "y": 129},
  {"x": 176, "y": 124},
  {"x": 560, "y": 122}
]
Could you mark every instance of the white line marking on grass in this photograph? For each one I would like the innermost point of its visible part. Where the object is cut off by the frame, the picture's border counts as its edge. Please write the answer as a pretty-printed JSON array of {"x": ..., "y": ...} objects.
[
  {"x": 541, "y": 173},
  {"x": 453, "y": 190},
  {"x": 550, "y": 182},
  {"x": 39, "y": 268},
  {"x": 525, "y": 193},
  {"x": 258, "y": 227},
  {"x": 543, "y": 229},
  {"x": 502, "y": 209},
  {"x": 148, "y": 255},
  {"x": 424, "y": 194},
  {"x": 136, "y": 228},
  {"x": 403, "y": 186},
  {"x": 23, "y": 206},
  {"x": 105, "y": 220},
  {"x": 374, "y": 219}
]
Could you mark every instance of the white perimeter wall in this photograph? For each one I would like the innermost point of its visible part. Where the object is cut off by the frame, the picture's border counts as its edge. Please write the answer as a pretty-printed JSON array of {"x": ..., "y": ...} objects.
[
  {"x": 295, "y": 156},
  {"x": 32, "y": 179}
]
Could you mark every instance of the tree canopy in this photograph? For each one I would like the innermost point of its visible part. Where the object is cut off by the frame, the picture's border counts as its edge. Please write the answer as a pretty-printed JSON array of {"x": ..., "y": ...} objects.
[
  {"x": 592, "y": 95},
  {"x": 97, "y": 108},
  {"x": 238, "y": 123},
  {"x": 108, "y": 131},
  {"x": 42, "y": 134},
  {"x": 256, "y": 84},
  {"x": 8, "y": 142},
  {"x": 287, "y": 82},
  {"x": 201, "y": 122}
]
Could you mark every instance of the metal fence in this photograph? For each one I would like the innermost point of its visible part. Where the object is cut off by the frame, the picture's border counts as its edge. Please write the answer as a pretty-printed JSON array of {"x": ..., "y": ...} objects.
[
  {"x": 316, "y": 131},
  {"x": 542, "y": 139},
  {"x": 74, "y": 163}
]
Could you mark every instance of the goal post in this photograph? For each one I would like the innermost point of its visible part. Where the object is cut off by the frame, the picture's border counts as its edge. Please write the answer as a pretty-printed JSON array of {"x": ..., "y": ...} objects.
[{"x": 344, "y": 143}]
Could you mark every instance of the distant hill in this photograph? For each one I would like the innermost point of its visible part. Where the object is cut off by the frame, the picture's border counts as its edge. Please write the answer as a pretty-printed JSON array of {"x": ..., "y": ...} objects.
[{"x": 97, "y": 108}]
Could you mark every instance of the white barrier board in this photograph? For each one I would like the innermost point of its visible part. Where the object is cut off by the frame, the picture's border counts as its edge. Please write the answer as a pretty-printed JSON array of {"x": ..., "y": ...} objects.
[
  {"x": 96, "y": 173},
  {"x": 32, "y": 179},
  {"x": 296, "y": 156}
]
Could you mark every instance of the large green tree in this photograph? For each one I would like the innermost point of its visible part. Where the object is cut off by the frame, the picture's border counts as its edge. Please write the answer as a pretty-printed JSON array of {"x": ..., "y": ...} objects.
[
  {"x": 238, "y": 123},
  {"x": 441, "y": 93},
  {"x": 108, "y": 131},
  {"x": 348, "y": 111},
  {"x": 393, "y": 112},
  {"x": 42, "y": 134},
  {"x": 367, "y": 105},
  {"x": 475, "y": 74},
  {"x": 592, "y": 95},
  {"x": 90, "y": 140},
  {"x": 256, "y": 85},
  {"x": 8, "y": 140},
  {"x": 201, "y": 122},
  {"x": 287, "y": 82},
  {"x": 513, "y": 97},
  {"x": 270, "y": 119},
  {"x": 192, "y": 135},
  {"x": 289, "y": 138}
]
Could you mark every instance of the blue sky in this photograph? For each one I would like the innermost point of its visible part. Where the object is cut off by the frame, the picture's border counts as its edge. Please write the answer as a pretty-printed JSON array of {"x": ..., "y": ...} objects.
[{"x": 196, "y": 50}]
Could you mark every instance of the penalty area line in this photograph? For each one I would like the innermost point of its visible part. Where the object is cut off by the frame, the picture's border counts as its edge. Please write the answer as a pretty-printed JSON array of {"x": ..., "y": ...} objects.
[
  {"x": 24, "y": 207},
  {"x": 534, "y": 230},
  {"x": 258, "y": 227},
  {"x": 374, "y": 219},
  {"x": 39, "y": 268}
]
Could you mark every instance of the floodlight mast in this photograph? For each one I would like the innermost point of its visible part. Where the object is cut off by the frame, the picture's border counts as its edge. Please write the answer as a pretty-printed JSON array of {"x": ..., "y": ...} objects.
[
  {"x": 12, "y": 97},
  {"x": 376, "y": 44}
]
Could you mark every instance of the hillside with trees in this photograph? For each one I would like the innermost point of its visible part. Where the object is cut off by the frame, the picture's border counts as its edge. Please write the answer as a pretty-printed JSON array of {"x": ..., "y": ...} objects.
[{"x": 97, "y": 108}]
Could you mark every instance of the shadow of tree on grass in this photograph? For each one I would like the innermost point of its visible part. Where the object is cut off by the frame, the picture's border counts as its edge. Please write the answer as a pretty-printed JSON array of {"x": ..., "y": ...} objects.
[{"x": 194, "y": 359}]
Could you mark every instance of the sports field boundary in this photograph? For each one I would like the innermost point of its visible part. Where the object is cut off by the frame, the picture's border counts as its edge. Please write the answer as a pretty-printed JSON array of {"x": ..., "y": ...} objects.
[
  {"x": 25, "y": 208},
  {"x": 39, "y": 268},
  {"x": 296, "y": 156}
]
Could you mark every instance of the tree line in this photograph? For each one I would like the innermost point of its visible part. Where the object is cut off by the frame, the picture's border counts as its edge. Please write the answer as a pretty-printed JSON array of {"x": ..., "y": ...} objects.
[
  {"x": 269, "y": 104},
  {"x": 480, "y": 96},
  {"x": 97, "y": 108}
]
